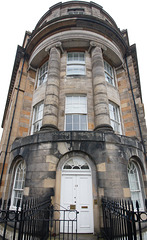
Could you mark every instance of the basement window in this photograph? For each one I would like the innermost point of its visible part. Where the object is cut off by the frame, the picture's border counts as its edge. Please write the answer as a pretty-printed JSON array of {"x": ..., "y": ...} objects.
[{"x": 75, "y": 10}]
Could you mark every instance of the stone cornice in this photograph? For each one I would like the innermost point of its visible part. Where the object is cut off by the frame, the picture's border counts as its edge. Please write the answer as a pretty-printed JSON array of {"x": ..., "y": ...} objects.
[
  {"x": 76, "y": 35},
  {"x": 86, "y": 22}
]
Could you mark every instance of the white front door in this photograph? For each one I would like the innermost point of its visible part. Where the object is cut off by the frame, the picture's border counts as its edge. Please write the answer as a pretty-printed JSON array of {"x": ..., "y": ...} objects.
[{"x": 76, "y": 189}]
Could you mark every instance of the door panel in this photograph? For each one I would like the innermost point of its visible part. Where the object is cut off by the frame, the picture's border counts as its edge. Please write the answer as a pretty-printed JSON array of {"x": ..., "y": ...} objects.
[
  {"x": 84, "y": 204},
  {"x": 68, "y": 196},
  {"x": 77, "y": 190}
]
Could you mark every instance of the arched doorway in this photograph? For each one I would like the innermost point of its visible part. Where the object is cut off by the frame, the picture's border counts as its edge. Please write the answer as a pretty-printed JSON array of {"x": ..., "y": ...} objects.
[{"x": 76, "y": 192}]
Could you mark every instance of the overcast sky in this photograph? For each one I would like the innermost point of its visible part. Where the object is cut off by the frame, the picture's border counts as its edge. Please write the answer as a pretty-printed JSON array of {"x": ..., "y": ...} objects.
[{"x": 17, "y": 16}]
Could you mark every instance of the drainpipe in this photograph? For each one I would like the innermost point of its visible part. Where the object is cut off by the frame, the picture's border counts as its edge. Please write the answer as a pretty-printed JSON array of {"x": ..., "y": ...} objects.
[
  {"x": 140, "y": 131},
  {"x": 12, "y": 122}
]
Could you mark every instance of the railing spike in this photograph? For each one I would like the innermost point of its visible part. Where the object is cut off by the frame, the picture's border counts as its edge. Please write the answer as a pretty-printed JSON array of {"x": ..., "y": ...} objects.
[
  {"x": 137, "y": 205},
  {"x": 9, "y": 203},
  {"x": 18, "y": 204},
  {"x": 132, "y": 205},
  {"x": 0, "y": 202},
  {"x": 146, "y": 203}
]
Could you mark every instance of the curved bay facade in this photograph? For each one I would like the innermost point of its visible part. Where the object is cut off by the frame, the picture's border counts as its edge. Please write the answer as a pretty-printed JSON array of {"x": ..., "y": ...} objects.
[{"x": 74, "y": 125}]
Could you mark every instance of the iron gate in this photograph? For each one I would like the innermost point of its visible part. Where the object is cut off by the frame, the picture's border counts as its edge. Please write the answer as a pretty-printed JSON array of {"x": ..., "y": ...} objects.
[
  {"x": 122, "y": 221},
  {"x": 37, "y": 221}
]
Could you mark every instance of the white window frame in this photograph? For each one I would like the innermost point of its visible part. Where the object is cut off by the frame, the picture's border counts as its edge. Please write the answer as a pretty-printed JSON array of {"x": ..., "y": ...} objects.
[
  {"x": 17, "y": 191},
  {"x": 74, "y": 109},
  {"x": 42, "y": 74},
  {"x": 75, "y": 63},
  {"x": 135, "y": 185},
  {"x": 115, "y": 117},
  {"x": 37, "y": 117},
  {"x": 109, "y": 73}
]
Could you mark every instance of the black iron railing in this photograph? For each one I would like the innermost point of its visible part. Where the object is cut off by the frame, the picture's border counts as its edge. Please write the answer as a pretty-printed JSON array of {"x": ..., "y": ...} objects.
[
  {"x": 122, "y": 221},
  {"x": 34, "y": 220}
]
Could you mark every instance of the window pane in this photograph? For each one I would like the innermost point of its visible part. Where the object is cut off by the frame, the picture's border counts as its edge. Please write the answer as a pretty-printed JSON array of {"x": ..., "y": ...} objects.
[
  {"x": 68, "y": 122},
  {"x": 76, "y": 104},
  {"x": 75, "y": 70},
  {"x": 83, "y": 122},
  {"x": 76, "y": 122}
]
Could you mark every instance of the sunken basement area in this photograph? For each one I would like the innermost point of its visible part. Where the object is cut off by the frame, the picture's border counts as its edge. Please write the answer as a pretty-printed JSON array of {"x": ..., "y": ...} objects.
[{"x": 73, "y": 125}]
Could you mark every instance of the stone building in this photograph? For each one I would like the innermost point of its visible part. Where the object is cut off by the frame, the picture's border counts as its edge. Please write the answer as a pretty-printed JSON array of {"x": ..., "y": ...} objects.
[{"x": 73, "y": 125}]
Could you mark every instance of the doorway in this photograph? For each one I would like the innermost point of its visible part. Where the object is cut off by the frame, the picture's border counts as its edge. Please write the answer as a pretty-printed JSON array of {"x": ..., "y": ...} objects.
[{"x": 76, "y": 192}]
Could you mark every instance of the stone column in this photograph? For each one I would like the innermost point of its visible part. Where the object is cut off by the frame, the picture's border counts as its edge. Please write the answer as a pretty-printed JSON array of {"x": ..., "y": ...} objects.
[
  {"x": 51, "y": 101},
  {"x": 101, "y": 105}
]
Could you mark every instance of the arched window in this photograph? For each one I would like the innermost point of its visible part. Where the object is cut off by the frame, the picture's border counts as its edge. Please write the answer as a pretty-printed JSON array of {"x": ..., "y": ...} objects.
[
  {"x": 18, "y": 184},
  {"x": 135, "y": 184}
]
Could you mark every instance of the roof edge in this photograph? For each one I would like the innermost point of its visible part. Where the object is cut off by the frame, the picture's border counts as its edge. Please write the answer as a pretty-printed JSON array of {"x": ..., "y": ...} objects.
[{"x": 19, "y": 54}]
